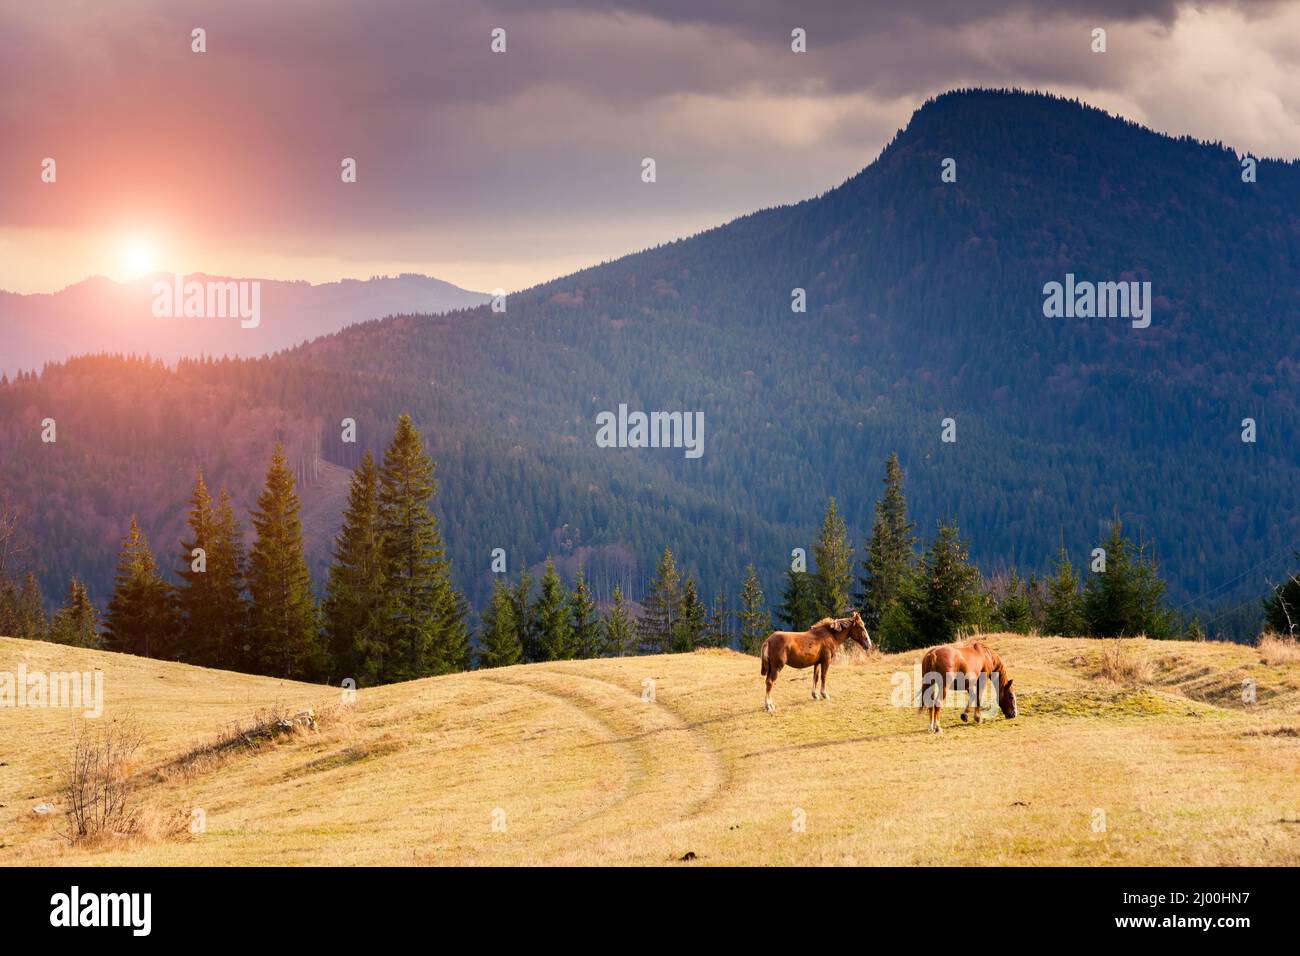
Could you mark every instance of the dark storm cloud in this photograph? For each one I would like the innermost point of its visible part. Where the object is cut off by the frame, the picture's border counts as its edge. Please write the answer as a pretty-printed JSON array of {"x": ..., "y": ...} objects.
[{"x": 464, "y": 152}]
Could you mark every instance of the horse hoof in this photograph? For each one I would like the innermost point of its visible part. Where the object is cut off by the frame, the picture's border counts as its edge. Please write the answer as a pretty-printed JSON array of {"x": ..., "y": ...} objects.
[
  {"x": 826, "y": 695},
  {"x": 979, "y": 719},
  {"x": 964, "y": 718},
  {"x": 816, "y": 696}
]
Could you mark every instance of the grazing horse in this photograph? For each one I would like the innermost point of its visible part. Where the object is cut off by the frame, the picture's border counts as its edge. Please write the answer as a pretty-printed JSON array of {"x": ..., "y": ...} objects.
[
  {"x": 814, "y": 647},
  {"x": 975, "y": 662}
]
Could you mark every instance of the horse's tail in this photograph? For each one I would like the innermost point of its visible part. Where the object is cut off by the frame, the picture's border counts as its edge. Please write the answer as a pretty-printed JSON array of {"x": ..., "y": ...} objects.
[
  {"x": 926, "y": 667},
  {"x": 763, "y": 669}
]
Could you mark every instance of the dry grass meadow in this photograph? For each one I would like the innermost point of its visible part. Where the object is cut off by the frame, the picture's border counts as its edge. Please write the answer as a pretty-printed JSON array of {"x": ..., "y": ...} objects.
[{"x": 1143, "y": 755}]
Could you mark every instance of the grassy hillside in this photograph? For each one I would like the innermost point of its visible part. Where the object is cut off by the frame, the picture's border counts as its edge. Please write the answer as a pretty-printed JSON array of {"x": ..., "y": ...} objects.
[{"x": 587, "y": 772}]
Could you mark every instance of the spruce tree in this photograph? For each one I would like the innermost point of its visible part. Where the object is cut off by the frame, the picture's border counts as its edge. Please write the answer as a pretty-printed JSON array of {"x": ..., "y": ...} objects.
[
  {"x": 755, "y": 621},
  {"x": 526, "y": 617},
  {"x": 453, "y": 646},
  {"x": 354, "y": 610},
  {"x": 662, "y": 607},
  {"x": 584, "y": 625},
  {"x": 1063, "y": 613},
  {"x": 195, "y": 601},
  {"x": 1014, "y": 612},
  {"x": 77, "y": 622},
  {"x": 799, "y": 609},
  {"x": 618, "y": 630},
  {"x": 424, "y": 616},
  {"x": 227, "y": 572},
  {"x": 499, "y": 634},
  {"x": 554, "y": 631},
  {"x": 141, "y": 616},
  {"x": 891, "y": 552},
  {"x": 947, "y": 599},
  {"x": 692, "y": 620},
  {"x": 833, "y": 553},
  {"x": 28, "y": 614},
  {"x": 1154, "y": 619},
  {"x": 1111, "y": 603},
  {"x": 717, "y": 632},
  {"x": 282, "y": 614}
]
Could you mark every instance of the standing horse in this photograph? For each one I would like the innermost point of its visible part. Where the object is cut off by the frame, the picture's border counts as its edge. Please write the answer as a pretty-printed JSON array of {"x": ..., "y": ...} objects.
[
  {"x": 814, "y": 647},
  {"x": 975, "y": 662}
]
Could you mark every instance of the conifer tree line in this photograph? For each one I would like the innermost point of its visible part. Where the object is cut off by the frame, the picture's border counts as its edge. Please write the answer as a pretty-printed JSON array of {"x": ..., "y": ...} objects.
[
  {"x": 911, "y": 597},
  {"x": 390, "y": 611}
]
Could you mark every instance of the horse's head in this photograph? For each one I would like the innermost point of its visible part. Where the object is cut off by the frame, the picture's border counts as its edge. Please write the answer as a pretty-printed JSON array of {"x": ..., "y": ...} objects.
[
  {"x": 858, "y": 632},
  {"x": 1007, "y": 699}
]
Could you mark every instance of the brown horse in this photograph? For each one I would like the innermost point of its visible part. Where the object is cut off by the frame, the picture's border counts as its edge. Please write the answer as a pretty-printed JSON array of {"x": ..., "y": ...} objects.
[
  {"x": 974, "y": 663},
  {"x": 814, "y": 647}
]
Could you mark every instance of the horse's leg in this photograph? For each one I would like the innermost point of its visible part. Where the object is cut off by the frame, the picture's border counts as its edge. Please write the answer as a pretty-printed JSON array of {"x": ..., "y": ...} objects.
[
  {"x": 979, "y": 698},
  {"x": 943, "y": 694},
  {"x": 773, "y": 668},
  {"x": 971, "y": 687},
  {"x": 816, "y": 669},
  {"x": 826, "y": 665}
]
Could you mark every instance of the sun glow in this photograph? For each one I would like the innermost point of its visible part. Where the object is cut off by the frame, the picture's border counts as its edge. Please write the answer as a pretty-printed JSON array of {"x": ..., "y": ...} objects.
[{"x": 138, "y": 256}]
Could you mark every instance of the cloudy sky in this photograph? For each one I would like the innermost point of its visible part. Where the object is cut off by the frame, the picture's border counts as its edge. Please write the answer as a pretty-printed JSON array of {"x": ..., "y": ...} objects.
[{"x": 502, "y": 170}]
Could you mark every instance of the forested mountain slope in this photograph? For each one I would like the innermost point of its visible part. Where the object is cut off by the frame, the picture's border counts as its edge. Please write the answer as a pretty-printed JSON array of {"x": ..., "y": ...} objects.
[{"x": 924, "y": 302}]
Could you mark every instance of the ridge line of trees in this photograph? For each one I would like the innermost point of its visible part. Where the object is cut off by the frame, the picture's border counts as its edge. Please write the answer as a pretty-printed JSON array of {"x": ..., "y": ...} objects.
[{"x": 391, "y": 612}]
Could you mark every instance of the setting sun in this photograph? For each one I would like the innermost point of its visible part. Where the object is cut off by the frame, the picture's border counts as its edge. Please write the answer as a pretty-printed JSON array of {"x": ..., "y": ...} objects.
[{"x": 138, "y": 256}]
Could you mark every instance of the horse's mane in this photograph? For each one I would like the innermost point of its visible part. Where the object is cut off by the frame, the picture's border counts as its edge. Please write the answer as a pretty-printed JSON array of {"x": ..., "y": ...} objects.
[{"x": 834, "y": 623}]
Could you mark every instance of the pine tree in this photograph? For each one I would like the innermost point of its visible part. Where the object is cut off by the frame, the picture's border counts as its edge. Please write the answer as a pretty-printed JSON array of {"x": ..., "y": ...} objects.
[
  {"x": 1014, "y": 613},
  {"x": 584, "y": 625},
  {"x": 658, "y": 622},
  {"x": 554, "y": 633},
  {"x": 798, "y": 610},
  {"x": 947, "y": 599},
  {"x": 891, "y": 552},
  {"x": 141, "y": 616},
  {"x": 354, "y": 610},
  {"x": 499, "y": 636},
  {"x": 692, "y": 620},
  {"x": 619, "y": 631},
  {"x": 76, "y": 622},
  {"x": 833, "y": 553},
  {"x": 424, "y": 616},
  {"x": 282, "y": 614},
  {"x": 1063, "y": 613},
  {"x": 755, "y": 621}
]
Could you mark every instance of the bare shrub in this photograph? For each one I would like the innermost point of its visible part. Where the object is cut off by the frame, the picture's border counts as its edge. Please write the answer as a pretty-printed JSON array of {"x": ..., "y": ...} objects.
[
  {"x": 1123, "y": 665},
  {"x": 97, "y": 787},
  {"x": 1276, "y": 649},
  {"x": 264, "y": 728}
]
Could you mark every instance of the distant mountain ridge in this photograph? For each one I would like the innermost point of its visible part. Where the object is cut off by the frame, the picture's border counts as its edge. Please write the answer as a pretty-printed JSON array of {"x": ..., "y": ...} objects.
[
  {"x": 101, "y": 315},
  {"x": 924, "y": 303}
]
